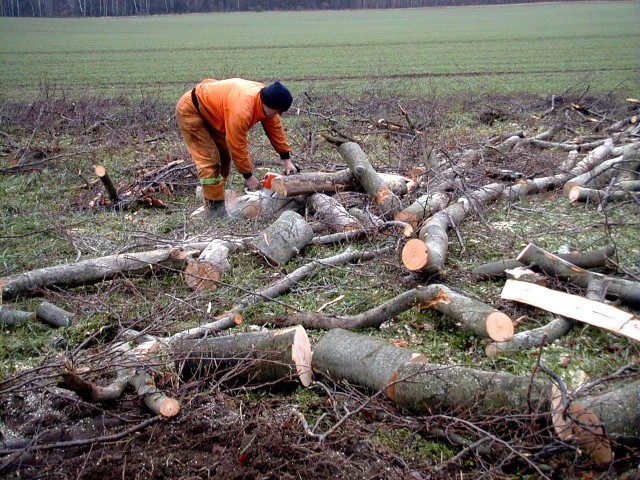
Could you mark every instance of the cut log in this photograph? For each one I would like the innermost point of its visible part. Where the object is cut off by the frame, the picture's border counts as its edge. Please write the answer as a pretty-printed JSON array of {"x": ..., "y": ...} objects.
[
  {"x": 372, "y": 183},
  {"x": 11, "y": 317},
  {"x": 584, "y": 194},
  {"x": 596, "y": 174},
  {"x": 423, "y": 207},
  {"x": 575, "y": 307},
  {"x": 207, "y": 270},
  {"x": 591, "y": 259},
  {"x": 627, "y": 291},
  {"x": 473, "y": 315},
  {"x": 103, "y": 175},
  {"x": 408, "y": 380},
  {"x": 309, "y": 183},
  {"x": 91, "y": 271},
  {"x": 284, "y": 238},
  {"x": 428, "y": 253},
  {"x": 261, "y": 357},
  {"x": 332, "y": 214},
  {"x": 313, "y": 182},
  {"x": 422, "y": 387},
  {"x": 53, "y": 315},
  {"x": 360, "y": 359}
]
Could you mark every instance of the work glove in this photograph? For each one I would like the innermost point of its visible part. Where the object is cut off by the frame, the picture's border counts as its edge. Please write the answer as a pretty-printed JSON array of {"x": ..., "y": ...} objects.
[
  {"x": 252, "y": 183},
  {"x": 290, "y": 168}
]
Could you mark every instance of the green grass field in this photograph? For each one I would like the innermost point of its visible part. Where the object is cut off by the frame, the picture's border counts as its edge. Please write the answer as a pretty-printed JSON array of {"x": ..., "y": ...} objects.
[{"x": 544, "y": 48}]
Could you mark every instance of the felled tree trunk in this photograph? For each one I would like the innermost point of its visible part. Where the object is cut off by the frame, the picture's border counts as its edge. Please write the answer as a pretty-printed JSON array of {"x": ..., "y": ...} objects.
[
  {"x": 428, "y": 253},
  {"x": 408, "y": 380},
  {"x": 626, "y": 290},
  {"x": 261, "y": 357},
  {"x": 373, "y": 184},
  {"x": 421, "y": 209},
  {"x": 422, "y": 387},
  {"x": 591, "y": 259},
  {"x": 261, "y": 205},
  {"x": 91, "y": 271},
  {"x": 546, "y": 334},
  {"x": 332, "y": 213},
  {"x": 284, "y": 238}
]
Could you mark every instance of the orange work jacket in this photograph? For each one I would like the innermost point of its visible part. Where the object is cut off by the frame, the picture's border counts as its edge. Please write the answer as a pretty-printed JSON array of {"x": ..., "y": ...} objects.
[{"x": 232, "y": 107}]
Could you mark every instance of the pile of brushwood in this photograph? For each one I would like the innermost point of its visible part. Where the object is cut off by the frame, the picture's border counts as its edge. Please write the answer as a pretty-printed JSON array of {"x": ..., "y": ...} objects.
[{"x": 448, "y": 288}]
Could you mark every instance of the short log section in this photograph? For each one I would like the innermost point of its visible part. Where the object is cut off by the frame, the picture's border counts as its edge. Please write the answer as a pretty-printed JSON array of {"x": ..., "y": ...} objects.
[{"x": 260, "y": 357}]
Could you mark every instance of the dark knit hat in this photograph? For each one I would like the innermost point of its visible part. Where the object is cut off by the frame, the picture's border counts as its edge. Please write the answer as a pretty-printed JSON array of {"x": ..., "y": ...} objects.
[{"x": 276, "y": 96}]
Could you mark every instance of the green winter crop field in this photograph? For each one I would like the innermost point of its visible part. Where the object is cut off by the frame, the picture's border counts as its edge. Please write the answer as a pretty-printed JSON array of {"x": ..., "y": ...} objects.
[{"x": 507, "y": 49}]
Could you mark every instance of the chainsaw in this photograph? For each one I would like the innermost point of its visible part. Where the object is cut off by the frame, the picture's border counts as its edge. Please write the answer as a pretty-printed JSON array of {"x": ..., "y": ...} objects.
[{"x": 265, "y": 189}]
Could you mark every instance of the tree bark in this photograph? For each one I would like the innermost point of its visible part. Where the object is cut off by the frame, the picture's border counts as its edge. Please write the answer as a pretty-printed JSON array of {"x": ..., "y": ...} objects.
[
  {"x": 627, "y": 291},
  {"x": 91, "y": 271},
  {"x": 284, "y": 238},
  {"x": 260, "y": 357},
  {"x": 428, "y": 253},
  {"x": 373, "y": 184}
]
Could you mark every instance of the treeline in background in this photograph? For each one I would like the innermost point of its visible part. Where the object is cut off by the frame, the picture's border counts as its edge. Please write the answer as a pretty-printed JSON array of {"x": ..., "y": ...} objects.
[{"x": 115, "y": 8}]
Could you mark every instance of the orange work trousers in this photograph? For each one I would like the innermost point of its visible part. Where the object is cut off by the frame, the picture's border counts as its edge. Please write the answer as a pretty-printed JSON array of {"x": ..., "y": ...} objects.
[{"x": 207, "y": 147}]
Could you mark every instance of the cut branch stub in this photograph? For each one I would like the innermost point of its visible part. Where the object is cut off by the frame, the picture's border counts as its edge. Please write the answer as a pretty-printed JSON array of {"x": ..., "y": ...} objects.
[{"x": 261, "y": 357}]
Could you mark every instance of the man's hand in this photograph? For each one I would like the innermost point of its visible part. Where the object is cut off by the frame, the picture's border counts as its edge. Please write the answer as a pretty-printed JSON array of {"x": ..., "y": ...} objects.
[
  {"x": 290, "y": 168},
  {"x": 252, "y": 183}
]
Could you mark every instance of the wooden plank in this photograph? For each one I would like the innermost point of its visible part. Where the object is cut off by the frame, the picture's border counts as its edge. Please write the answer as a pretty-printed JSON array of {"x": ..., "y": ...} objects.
[{"x": 572, "y": 306}]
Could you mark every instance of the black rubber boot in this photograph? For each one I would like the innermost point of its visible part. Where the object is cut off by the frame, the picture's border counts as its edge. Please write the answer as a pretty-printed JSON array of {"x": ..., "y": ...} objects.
[{"x": 215, "y": 209}]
